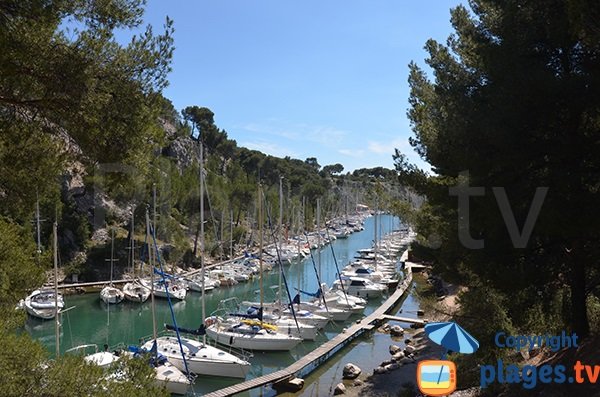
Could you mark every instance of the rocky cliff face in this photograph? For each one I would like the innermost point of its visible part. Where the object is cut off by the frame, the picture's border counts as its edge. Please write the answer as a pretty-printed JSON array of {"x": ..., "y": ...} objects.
[
  {"x": 93, "y": 206},
  {"x": 182, "y": 149}
]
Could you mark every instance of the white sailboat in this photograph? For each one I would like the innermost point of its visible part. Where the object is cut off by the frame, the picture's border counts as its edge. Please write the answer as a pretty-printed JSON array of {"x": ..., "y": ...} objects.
[
  {"x": 43, "y": 304},
  {"x": 237, "y": 334},
  {"x": 201, "y": 358},
  {"x": 134, "y": 291},
  {"x": 111, "y": 294},
  {"x": 361, "y": 287},
  {"x": 166, "y": 373},
  {"x": 257, "y": 334}
]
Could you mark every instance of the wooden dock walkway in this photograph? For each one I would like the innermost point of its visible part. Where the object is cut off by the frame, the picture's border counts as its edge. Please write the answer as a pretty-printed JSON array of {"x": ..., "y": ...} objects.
[
  {"x": 404, "y": 319},
  {"x": 306, "y": 364}
]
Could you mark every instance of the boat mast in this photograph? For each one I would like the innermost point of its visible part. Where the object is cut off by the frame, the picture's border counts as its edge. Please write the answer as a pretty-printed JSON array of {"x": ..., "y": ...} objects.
[
  {"x": 37, "y": 226},
  {"x": 279, "y": 240},
  {"x": 202, "y": 271},
  {"x": 151, "y": 262},
  {"x": 56, "y": 322},
  {"x": 260, "y": 246},
  {"x": 375, "y": 235},
  {"x": 231, "y": 233},
  {"x": 132, "y": 246},
  {"x": 112, "y": 254},
  {"x": 319, "y": 236}
]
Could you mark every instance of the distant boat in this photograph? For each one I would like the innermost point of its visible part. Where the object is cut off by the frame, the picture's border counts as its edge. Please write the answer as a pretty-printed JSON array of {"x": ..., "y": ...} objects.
[
  {"x": 111, "y": 294},
  {"x": 360, "y": 287},
  {"x": 42, "y": 304},
  {"x": 134, "y": 291}
]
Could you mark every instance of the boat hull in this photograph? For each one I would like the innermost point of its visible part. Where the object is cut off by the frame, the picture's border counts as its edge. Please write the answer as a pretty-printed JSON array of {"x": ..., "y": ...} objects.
[
  {"x": 172, "y": 379},
  {"x": 201, "y": 359},
  {"x": 252, "y": 341}
]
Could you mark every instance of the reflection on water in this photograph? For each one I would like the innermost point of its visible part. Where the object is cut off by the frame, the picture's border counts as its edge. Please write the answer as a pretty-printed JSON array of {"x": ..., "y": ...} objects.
[{"x": 91, "y": 321}]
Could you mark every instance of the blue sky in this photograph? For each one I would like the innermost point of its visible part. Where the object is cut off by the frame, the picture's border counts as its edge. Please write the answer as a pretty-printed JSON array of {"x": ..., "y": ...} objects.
[{"x": 325, "y": 79}]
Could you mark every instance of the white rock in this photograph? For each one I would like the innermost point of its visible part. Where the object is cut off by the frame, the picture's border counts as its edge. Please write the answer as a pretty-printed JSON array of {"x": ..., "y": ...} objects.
[
  {"x": 394, "y": 349},
  {"x": 339, "y": 389},
  {"x": 396, "y": 330},
  {"x": 351, "y": 371}
]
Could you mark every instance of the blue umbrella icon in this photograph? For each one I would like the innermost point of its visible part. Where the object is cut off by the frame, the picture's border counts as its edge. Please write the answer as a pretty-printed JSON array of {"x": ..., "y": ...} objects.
[{"x": 451, "y": 336}]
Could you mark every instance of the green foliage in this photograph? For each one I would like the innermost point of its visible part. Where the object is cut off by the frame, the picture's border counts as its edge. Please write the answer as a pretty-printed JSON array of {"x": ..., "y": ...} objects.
[
  {"x": 19, "y": 273},
  {"x": 313, "y": 163},
  {"x": 514, "y": 102},
  {"x": 332, "y": 169},
  {"x": 74, "y": 95},
  {"x": 28, "y": 371},
  {"x": 482, "y": 312}
]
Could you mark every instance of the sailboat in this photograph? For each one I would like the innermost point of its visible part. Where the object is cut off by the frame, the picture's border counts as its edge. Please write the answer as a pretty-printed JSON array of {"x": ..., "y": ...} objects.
[
  {"x": 255, "y": 335},
  {"x": 201, "y": 358},
  {"x": 165, "y": 372},
  {"x": 42, "y": 303},
  {"x": 134, "y": 291},
  {"x": 110, "y": 294}
]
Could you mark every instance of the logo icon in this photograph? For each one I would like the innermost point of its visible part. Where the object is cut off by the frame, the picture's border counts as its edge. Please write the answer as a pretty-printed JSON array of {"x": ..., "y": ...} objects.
[{"x": 436, "y": 377}]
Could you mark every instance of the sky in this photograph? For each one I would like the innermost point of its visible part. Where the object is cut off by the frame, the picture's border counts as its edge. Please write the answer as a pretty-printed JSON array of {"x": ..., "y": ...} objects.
[{"x": 311, "y": 78}]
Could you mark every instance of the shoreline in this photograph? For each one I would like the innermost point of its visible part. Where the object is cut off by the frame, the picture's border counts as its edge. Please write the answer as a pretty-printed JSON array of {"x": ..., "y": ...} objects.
[{"x": 403, "y": 378}]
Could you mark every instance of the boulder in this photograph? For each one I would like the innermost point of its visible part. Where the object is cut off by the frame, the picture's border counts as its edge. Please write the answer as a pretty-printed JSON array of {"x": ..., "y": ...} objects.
[
  {"x": 379, "y": 370},
  {"x": 357, "y": 382},
  {"x": 291, "y": 385},
  {"x": 398, "y": 356},
  {"x": 351, "y": 371},
  {"x": 392, "y": 367},
  {"x": 339, "y": 389},
  {"x": 409, "y": 349},
  {"x": 296, "y": 384},
  {"x": 394, "y": 349},
  {"x": 396, "y": 330}
]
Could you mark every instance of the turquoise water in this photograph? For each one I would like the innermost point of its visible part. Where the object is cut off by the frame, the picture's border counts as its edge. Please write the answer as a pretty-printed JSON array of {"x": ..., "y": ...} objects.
[{"x": 90, "y": 321}]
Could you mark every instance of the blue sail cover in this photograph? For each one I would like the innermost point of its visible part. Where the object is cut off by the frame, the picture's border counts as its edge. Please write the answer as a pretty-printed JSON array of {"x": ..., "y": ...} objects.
[
  {"x": 296, "y": 299},
  {"x": 315, "y": 294},
  {"x": 163, "y": 274},
  {"x": 252, "y": 313},
  {"x": 156, "y": 358}
]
